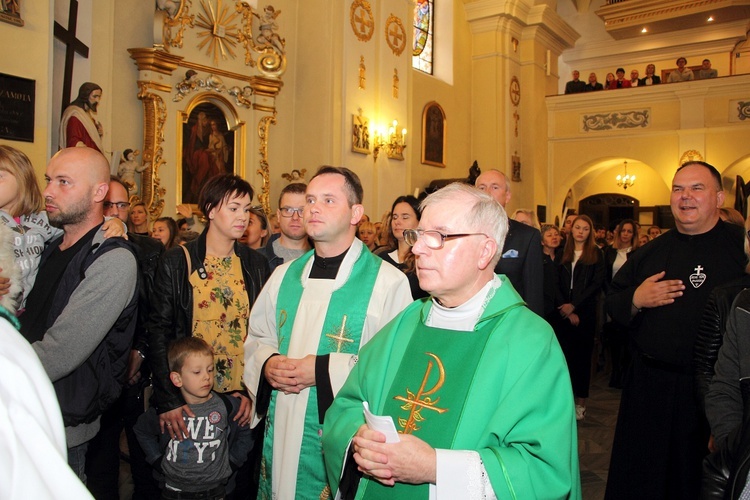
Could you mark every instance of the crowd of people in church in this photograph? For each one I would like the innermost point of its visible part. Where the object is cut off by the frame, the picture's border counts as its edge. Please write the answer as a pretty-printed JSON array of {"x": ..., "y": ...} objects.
[
  {"x": 443, "y": 352},
  {"x": 618, "y": 80}
]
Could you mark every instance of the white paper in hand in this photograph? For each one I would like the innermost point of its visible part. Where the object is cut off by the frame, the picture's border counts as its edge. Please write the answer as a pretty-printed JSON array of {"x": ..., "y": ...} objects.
[{"x": 381, "y": 424}]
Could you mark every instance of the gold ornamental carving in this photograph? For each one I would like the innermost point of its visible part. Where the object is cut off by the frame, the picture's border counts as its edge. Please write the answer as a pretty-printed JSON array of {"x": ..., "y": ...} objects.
[
  {"x": 265, "y": 172},
  {"x": 515, "y": 91},
  {"x": 219, "y": 34},
  {"x": 690, "y": 155},
  {"x": 267, "y": 43},
  {"x": 362, "y": 20},
  {"x": 173, "y": 29},
  {"x": 395, "y": 35},
  {"x": 154, "y": 117}
]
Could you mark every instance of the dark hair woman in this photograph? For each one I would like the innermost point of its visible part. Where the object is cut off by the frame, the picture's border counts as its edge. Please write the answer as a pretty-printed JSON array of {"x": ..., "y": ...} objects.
[
  {"x": 581, "y": 278},
  {"x": 205, "y": 289},
  {"x": 165, "y": 230},
  {"x": 405, "y": 214}
]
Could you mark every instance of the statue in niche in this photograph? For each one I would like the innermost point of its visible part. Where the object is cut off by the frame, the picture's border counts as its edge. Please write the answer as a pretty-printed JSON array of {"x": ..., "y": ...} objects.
[
  {"x": 362, "y": 70},
  {"x": 128, "y": 168},
  {"x": 395, "y": 83},
  {"x": 268, "y": 29},
  {"x": 171, "y": 7}
]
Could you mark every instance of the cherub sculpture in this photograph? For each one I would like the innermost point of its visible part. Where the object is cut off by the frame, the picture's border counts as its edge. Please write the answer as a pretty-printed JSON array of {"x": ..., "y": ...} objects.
[
  {"x": 268, "y": 29},
  {"x": 128, "y": 168},
  {"x": 295, "y": 176},
  {"x": 171, "y": 7}
]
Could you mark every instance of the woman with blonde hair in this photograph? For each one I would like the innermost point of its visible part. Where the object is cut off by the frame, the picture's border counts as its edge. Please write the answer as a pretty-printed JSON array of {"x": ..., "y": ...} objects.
[
  {"x": 526, "y": 216},
  {"x": 138, "y": 220},
  {"x": 368, "y": 234},
  {"x": 732, "y": 216}
]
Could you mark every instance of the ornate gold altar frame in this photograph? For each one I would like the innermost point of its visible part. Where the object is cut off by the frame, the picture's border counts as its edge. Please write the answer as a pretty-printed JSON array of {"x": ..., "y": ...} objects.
[
  {"x": 155, "y": 62},
  {"x": 154, "y": 116},
  {"x": 234, "y": 125}
]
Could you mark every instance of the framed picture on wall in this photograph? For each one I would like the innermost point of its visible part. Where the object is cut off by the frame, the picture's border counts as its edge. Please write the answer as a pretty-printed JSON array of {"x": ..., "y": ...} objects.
[
  {"x": 360, "y": 134},
  {"x": 210, "y": 140},
  {"x": 433, "y": 135}
]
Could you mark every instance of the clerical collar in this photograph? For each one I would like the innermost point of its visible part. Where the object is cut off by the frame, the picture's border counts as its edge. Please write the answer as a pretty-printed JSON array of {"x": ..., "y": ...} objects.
[
  {"x": 466, "y": 316},
  {"x": 326, "y": 268}
]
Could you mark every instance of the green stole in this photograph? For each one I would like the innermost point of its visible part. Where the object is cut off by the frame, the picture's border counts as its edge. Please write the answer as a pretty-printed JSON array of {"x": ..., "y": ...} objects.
[
  {"x": 351, "y": 300},
  {"x": 440, "y": 378}
]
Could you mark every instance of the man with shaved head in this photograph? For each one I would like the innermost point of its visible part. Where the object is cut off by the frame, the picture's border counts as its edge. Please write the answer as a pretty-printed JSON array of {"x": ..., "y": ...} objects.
[{"x": 82, "y": 340}]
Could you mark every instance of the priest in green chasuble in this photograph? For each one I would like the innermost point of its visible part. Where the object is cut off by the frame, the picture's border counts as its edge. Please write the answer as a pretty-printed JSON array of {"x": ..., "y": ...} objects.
[
  {"x": 306, "y": 329},
  {"x": 475, "y": 383}
]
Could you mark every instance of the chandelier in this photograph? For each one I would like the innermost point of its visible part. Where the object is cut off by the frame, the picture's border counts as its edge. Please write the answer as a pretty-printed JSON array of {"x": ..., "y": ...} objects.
[{"x": 625, "y": 181}]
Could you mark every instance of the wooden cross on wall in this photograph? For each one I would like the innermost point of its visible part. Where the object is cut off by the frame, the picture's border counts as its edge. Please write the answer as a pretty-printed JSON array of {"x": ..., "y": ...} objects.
[{"x": 72, "y": 46}]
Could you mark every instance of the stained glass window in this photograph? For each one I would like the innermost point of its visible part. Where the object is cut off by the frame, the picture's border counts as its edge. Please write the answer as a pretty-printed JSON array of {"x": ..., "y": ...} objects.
[{"x": 423, "y": 29}]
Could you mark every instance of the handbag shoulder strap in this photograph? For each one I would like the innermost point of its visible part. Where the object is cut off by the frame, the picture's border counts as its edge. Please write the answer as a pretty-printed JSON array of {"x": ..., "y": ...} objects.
[{"x": 187, "y": 257}]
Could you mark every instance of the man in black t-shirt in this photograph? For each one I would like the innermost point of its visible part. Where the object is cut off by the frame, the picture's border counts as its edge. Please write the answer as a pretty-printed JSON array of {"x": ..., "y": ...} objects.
[
  {"x": 84, "y": 290},
  {"x": 661, "y": 435}
]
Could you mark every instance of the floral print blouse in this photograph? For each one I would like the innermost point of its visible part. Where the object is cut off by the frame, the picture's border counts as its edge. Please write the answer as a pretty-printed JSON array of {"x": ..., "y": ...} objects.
[{"x": 220, "y": 314}]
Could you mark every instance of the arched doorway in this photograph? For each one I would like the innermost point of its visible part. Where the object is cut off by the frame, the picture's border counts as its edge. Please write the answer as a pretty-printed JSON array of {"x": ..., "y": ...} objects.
[{"x": 609, "y": 208}]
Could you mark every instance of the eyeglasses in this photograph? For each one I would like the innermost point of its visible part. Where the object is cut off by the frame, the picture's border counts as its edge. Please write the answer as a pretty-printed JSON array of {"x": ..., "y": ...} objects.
[
  {"x": 433, "y": 238},
  {"x": 288, "y": 212},
  {"x": 121, "y": 205}
]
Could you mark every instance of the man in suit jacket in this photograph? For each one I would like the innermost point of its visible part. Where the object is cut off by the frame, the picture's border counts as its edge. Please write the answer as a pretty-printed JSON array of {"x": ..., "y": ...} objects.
[
  {"x": 521, "y": 259},
  {"x": 575, "y": 86}
]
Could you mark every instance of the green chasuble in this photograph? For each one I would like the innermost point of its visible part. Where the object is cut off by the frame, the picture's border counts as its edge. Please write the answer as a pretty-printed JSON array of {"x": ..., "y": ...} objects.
[
  {"x": 342, "y": 330},
  {"x": 504, "y": 387}
]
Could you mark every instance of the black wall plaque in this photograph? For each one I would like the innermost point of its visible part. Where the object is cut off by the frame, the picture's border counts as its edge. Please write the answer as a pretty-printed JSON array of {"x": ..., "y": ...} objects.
[{"x": 17, "y": 108}]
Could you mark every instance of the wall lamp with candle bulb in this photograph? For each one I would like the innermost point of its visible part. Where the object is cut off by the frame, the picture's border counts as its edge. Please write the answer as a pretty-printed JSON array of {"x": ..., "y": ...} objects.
[{"x": 392, "y": 141}]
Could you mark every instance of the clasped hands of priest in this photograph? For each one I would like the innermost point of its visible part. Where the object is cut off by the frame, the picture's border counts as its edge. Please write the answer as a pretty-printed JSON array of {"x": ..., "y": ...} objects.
[
  {"x": 290, "y": 375},
  {"x": 411, "y": 460}
]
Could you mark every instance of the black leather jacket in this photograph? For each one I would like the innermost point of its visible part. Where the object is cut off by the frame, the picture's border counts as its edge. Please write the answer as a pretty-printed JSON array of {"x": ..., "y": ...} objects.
[
  {"x": 172, "y": 309},
  {"x": 588, "y": 280},
  {"x": 711, "y": 333},
  {"x": 148, "y": 252},
  {"x": 725, "y": 471}
]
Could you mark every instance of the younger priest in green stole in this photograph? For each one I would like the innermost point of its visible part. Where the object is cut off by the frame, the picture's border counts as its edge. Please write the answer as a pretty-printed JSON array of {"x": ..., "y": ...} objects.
[
  {"x": 476, "y": 384},
  {"x": 306, "y": 329}
]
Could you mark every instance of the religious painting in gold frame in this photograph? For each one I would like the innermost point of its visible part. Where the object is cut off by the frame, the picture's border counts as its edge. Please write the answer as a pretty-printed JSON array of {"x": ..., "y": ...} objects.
[
  {"x": 210, "y": 141},
  {"x": 433, "y": 135}
]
